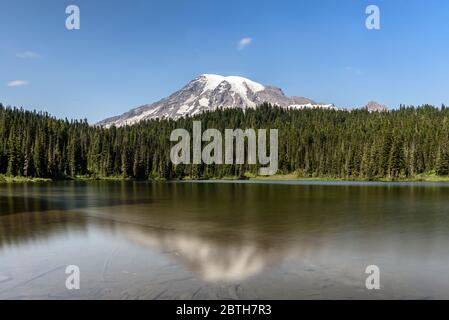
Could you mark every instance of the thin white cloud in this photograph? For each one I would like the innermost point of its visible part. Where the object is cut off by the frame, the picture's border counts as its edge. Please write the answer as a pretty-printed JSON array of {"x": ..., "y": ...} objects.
[
  {"x": 17, "y": 83},
  {"x": 243, "y": 43},
  {"x": 353, "y": 70},
  {"x": 28, "y": 55}
]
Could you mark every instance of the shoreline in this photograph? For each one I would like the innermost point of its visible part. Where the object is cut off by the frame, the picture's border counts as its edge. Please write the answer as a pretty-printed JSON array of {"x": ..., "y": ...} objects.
[{"x": 275, "y": 178}]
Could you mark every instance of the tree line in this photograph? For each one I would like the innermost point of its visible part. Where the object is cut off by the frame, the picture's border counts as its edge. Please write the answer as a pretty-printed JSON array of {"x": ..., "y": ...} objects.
[{"x": 356, "y": 144}]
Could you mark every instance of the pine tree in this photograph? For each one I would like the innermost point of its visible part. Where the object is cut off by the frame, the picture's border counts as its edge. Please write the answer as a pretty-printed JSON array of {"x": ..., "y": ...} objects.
[
  {"x": 443, "y": 161},
  {"x": 397, "y": 163}
]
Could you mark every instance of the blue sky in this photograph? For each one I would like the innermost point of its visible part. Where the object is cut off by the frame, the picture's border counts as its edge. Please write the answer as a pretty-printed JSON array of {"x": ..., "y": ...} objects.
[{"x": 129, "y": 53}]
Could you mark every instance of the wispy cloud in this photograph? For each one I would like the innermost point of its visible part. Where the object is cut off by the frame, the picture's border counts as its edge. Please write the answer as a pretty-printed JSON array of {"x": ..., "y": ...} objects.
[
  {"x": 28, "y": 55},
  {"x": 243, "y": 43},
  {"x": 353, "y": 70},
  {"x": 17, "y": 83}
]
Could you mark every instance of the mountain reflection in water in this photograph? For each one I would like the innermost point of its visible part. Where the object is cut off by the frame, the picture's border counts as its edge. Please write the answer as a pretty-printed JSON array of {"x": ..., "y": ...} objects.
[
  {"x": 223, "y": 241},
  {"x": 211, "y": 259}
]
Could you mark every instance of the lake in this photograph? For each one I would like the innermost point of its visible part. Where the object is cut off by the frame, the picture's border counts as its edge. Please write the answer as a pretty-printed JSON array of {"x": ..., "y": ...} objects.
[{"x": 224, "y": 240}]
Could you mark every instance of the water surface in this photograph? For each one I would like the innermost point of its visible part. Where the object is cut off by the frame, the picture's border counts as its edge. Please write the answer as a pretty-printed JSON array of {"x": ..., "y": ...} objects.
[{"x": 224, "y": 240}]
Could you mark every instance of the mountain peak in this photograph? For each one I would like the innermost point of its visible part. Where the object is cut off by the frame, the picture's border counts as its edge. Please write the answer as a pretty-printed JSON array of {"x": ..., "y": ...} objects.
[
  {"x": 209, "y": 92},
  {"x": 238, "y": 83},
  {"x": 374, "y": 106}
]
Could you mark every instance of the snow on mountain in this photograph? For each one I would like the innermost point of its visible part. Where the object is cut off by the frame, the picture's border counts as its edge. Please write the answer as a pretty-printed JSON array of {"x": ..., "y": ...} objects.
[
  {"x": 210, "y": 92},
  {"x": 374, "y": 106},
  {"x": 238, "y": 84}
]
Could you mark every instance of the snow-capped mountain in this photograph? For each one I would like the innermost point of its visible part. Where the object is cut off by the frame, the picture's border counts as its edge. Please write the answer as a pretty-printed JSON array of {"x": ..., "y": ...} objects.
[
  {"x": 374, "y": 106},
  {"x": 209, "y": 92}
]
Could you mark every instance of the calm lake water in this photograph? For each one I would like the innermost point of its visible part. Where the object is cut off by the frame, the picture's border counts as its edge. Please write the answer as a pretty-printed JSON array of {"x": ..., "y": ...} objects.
[{"x": 224, "y": 240}]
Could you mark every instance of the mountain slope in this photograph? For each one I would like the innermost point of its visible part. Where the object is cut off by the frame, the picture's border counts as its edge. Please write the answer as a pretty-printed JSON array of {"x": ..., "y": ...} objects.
[{"x": 209, "y": 92}]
